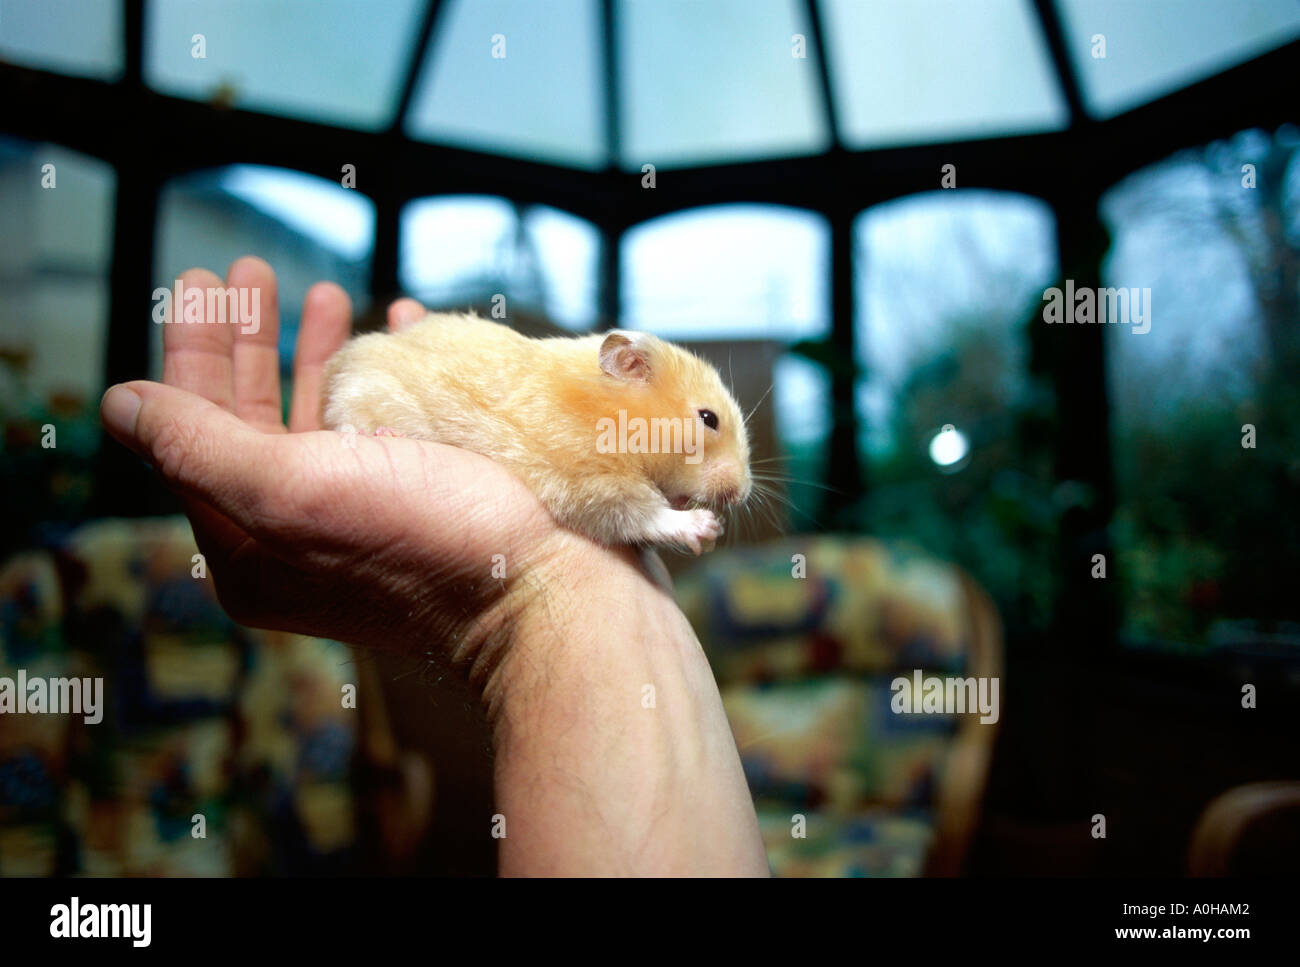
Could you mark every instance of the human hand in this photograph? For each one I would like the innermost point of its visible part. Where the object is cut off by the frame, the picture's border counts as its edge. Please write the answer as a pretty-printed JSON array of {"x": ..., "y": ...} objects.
[
  {"x": 392, "y": 542},
  {"x": 381, "y": 542}
]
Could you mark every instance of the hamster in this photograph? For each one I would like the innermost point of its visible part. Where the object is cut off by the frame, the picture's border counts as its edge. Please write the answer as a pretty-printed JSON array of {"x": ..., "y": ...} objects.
[{"x": 622, "y": 436}]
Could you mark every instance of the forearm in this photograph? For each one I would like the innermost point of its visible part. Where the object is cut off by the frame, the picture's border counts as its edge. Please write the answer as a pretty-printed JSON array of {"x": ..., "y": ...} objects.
[{"x": 613, "y": 753}]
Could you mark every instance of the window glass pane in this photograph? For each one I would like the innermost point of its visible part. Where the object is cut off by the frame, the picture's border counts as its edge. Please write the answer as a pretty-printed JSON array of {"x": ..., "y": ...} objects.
[
  {"x": 930, "y": 70},
  {"x": 801, "y": 398},
  {"x": 54, "y": 265},
  {"x": 456, "y": 251},
  {"x": 716, "y": 81},
  {"x": 516, "y": 77},
  {"x": 940, "y": 269},
  {"x": 733, "y": 271},
  {"x": 1158, "y": 46},
  {"x": 308, "y": 229},
  {"x": 567, "y": 249},
  {"x": 337, "y": 61},
  {"x": 947, "y": 285},
  {"x": 1208, "y": 528},
  {"x": 67, "y": 36},
  {"x": 328, "y": 214},
  {"x": 56, "y": 257},
  {"x": 461, "y": 252}
]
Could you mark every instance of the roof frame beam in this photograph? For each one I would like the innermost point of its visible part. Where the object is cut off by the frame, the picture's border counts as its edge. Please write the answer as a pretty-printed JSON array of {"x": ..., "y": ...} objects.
[
  {"x": 1054, "y": 33},
  {"x": 818, "y": 41},
  {"x": 420, "y": 51},
  {"x": 93, "y": 117}
]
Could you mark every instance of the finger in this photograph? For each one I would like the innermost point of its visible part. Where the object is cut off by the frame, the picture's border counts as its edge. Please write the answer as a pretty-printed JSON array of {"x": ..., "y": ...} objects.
[
  {"x": 257, "y": 344},
  {"x": 326, "y": 323},
  {"x": 405, "y": 313},
  {"x": 202, "y": 451},
  {"x": 196, "y": 355}
]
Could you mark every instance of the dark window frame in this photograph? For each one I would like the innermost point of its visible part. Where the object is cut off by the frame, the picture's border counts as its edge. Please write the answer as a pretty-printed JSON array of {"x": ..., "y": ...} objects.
[{"x": 150, "y": 138}]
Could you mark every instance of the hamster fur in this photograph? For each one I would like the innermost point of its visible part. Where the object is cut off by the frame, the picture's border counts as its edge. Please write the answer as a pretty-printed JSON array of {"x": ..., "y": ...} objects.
[{"x": 538, "y": 406}]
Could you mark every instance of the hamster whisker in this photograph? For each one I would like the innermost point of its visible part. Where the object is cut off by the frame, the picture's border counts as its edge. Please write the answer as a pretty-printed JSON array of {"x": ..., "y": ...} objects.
[
  {"x": 747, "y": 515},
  {"x": 772, "y": 495},
  {"x": 765, "y": 506},
  {"x": 770, "y": 387},
  {"x": 773, "y": 518},
  {"x": 770, "y": 478},
  {"x": 768, "y": 497}
]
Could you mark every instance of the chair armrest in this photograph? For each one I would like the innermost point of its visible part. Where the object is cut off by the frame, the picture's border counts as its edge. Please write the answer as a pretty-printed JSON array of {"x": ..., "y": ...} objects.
[
  {"x": 1226, "y": 819},
  {"x": 965, "y": 774}
]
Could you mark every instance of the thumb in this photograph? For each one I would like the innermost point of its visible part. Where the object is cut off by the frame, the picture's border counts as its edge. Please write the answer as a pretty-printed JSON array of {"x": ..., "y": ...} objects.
[{"x": 200, "y": 450}]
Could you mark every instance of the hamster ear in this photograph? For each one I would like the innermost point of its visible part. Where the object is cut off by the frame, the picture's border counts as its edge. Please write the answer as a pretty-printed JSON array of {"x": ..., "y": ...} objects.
[{"x": 626, "y": 355}]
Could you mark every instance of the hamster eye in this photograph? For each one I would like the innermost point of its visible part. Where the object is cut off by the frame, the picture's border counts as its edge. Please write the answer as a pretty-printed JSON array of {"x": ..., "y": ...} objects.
[{"x": 710, "y": 419}]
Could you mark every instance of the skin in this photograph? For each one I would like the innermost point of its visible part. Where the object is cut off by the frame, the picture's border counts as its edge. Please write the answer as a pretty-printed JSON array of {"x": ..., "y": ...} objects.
[{"x": 389, "y": 543}]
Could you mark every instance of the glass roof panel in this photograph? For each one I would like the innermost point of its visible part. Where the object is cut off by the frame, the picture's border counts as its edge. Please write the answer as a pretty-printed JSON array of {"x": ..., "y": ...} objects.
[
  {"x": 67, "y": 36},
  {"x": 718, "y": 81},
  {"x": 927, "y": 70},
  {"x": 515, "y": 77},
  {"x": 1158, "y": 46},
  {"x": 334, "y": 61}
]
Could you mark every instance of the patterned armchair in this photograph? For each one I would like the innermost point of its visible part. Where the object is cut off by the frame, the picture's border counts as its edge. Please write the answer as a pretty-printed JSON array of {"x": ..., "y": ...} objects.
[
  {"x": 201, "y": 717},
  {"x": 806, "y": 636}
]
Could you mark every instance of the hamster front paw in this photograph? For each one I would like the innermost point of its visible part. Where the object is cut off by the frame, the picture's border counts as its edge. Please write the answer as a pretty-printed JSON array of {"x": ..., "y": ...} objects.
[{"x": 697, "y": 529}]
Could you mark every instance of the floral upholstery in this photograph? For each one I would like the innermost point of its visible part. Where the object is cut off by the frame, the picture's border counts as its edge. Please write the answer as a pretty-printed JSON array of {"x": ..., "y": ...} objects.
[
  {"x": 202, "y": 717},
  {"x": 805, "y": 636}
]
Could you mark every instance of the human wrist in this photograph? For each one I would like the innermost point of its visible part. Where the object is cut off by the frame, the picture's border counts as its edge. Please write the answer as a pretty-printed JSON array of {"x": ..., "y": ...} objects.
[
  {"x": 553, "y": 615},
  {"x": 613, "y": 752}
]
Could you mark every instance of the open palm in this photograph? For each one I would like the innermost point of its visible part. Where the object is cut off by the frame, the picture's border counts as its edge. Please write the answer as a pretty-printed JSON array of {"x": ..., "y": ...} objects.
[{"x": 367, "y": 540}]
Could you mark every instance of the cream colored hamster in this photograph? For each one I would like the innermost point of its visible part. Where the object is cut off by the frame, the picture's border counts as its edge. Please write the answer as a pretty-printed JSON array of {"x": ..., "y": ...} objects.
[{"x": 622, "y": 436}]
